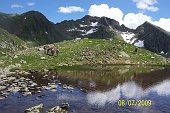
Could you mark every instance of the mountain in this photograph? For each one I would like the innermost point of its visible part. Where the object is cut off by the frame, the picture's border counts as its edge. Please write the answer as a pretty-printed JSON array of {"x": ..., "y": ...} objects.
[
  {"x": 34, "y": 28},
  {"x": 9, "y": 43},
  {"x": 31, "y": 26},
  {"x": 154, "y": 38},
  {"x": 92, "y": 27}
]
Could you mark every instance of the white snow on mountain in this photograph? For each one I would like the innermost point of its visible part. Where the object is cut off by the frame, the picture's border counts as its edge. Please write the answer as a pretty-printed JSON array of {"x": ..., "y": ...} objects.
[
  {"x": 74, "y": 29},
  {"x": 162, "y": 52},
  {"x": 46, "y": 32},
  {"x": 139, "y": 43},
  {"x": 81, "y": 25},
  {"x": 90, "y": 31},
  {"x": 127, "y": 36},
  {"x": 93, "y": 24}
]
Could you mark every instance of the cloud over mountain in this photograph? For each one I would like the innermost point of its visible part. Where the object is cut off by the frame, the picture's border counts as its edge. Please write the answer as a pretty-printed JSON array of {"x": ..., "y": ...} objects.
[
  {"x": 70, "y": 9},
  {"x": 146, "y": 5},
  {"x": 105, "y": 10},
  {"x": 131, "y": 20},
  {"x": 16, "y": 6},
  {"x": 30, "y": 3}
]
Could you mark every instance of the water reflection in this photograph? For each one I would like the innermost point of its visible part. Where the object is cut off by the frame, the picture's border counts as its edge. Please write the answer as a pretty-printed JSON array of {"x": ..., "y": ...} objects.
[
  {"x": 128, "y": 90},
  {"x": 107, "y": 77},
  {"x": 102, "y": 86},
  {"x": 101, "y": 98}
]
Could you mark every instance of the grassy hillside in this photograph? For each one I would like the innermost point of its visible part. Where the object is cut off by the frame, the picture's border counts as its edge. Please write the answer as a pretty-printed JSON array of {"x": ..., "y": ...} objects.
[
  {"x": 86, "y": 51},
  {"x": 9, "y": 43}
]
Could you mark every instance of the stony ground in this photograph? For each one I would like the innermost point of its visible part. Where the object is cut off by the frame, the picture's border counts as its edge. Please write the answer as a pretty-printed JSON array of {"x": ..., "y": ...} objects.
[{"x": 80, "y": 52}]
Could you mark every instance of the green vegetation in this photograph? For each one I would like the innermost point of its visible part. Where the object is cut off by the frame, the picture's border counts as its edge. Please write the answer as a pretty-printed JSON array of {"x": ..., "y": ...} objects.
[
  {"x": 82, "y": 52},
  {"x": 9, "y": 43}
]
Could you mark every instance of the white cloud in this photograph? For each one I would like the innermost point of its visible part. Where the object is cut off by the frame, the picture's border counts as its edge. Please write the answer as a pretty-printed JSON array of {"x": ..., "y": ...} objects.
[
  {"x": 30, "y": 3},
  {"x": 146, "y": 5},
  {"x": 163, "y": 23},
  {"x": 70, "y": 9},
  {"x": 16, "y": 6},
  {"x": 104, "y": 10},
  {"x": 133, "y": 20}
]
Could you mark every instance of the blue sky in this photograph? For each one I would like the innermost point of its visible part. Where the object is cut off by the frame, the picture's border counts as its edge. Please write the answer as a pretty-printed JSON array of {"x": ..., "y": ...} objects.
[{"x": 129, "y": 12}]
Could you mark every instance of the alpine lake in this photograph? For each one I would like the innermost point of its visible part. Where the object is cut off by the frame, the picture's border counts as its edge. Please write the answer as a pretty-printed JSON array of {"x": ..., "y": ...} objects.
[{"x": 88, "y": 89}]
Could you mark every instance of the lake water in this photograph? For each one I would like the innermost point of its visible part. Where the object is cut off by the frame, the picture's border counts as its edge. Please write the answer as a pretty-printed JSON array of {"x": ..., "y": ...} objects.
[{"x": 96, "y": 89}]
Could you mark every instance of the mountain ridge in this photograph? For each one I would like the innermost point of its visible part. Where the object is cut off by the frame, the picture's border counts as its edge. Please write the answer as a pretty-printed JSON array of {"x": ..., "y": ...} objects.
[{"x": 34, "y": 27}]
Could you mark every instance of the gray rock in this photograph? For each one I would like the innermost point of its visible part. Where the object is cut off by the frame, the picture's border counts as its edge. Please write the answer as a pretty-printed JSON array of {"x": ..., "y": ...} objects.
[
  {"x": 123, "y": 54},
  {"x": 35, "y": 109}
]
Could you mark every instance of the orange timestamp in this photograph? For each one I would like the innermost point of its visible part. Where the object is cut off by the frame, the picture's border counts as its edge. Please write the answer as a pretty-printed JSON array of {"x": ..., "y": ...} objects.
[{"x": 138, "y": 103}]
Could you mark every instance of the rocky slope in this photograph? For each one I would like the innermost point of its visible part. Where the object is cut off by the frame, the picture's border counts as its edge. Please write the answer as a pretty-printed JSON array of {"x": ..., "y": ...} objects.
[
  {"x": 153, "y": 38},
  {"x": 31, "y": 26},
  {"x": 10, "y": 43},
  {"x": 93, "y": 27},
  {"x": 35, "y": 28},
  {"x": 147, "y": 35}
]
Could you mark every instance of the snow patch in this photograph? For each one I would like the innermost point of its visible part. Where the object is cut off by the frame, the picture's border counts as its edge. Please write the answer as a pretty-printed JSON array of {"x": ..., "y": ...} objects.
[
  {"x": 46, "y": 32},
  {"x": 140, "y": 43},
  {"x": 81, "y": 25},
  {"x": 81, "y": 30},
  {"x": 74, "y": 29},
  {"x": 93, "y": 24},
  {"x": 90, "y": 31},
  {"x": 127, "y": 36},
  {"x": 162, "y": 52}
]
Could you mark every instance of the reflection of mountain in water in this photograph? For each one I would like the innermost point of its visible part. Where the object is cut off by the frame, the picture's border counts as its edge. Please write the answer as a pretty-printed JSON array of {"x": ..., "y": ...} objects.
[
  {"x": 129, "y": 90},
  {"x": 107, "y": 77},
  {"x": 146, "y": 80},
  {"x": 156, "y": 82}
]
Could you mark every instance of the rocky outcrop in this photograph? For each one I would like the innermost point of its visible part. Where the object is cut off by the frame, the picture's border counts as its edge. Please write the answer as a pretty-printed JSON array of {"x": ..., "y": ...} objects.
[{"x": 155, "y": 39}]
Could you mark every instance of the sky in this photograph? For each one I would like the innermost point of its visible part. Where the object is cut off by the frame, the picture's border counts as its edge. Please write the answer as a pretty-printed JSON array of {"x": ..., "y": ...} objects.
[{"x": 131, "y": 13}]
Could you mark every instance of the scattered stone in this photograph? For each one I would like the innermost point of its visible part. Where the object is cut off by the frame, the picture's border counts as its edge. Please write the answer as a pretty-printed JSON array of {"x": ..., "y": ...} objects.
[
  {"x": 123, "y": 54},
  {"x": 152, "y": 57},
  {"x": 65, "y": 106},
  {"x": 35, "y": 109},
  {"x": 27, "y": 93},
  {"x": 40, "y": 49},
  {"x": 67, "y": 87},
  {"x": 3, "y": 53},
  {"x": 56, "y": 109},
  {"x": 127, "y": 62},
  {"x": 23, "y": 62},
  {"x": 15, "y": 56},
  {"x": 43, "y": 58}
]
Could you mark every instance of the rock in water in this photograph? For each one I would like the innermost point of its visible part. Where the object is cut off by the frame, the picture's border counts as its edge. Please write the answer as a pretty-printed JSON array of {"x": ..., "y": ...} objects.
[
  {"x": 56, "y": 109},
  {"x": 65, "y": 106},
  {"x": 35, "y": 109}
]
